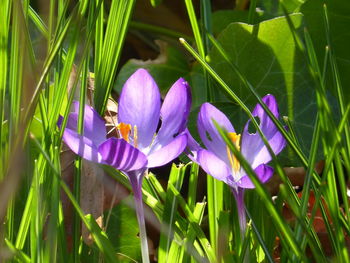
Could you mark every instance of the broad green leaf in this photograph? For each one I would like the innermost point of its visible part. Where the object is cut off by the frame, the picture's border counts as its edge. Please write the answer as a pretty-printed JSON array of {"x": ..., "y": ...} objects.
[
  {"x": 168, "y": 67},
  {"x": 275, "y": 7},
  {"x": 222, "y": 18},
  {"x": 197, "y": 83},
  {"x": 122, "y": 230}
]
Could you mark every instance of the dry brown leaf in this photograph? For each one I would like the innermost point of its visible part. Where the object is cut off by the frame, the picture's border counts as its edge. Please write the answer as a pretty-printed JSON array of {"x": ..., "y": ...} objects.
[
  {"x": 97, "y": 191},
  {"x": 91, "y": 196}
]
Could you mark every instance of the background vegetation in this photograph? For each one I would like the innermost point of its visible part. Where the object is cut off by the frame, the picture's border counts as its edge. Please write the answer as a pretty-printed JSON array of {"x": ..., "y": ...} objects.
[{"x": 232, "y": 53}]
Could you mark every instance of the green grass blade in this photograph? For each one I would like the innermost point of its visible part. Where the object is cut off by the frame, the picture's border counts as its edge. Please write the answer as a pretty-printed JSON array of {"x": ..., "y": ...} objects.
[
  {"x": 192, "y": 185},
  {"x": 170, "y": 208},
  {"x": 192, "y": 221},
  {"x": 117, "y": 24},
  {"x": 158, "y": 30},
  {"x": 336, "y": 78},
  {"x": 198, "y": 213},
  {"x": 4, "y": 57},
  {"x": 19, "y": 255},
  {"x": 252, "y": 10},
  {"x": 260, "y": 239},
  {"x": 195, "y": 28}
]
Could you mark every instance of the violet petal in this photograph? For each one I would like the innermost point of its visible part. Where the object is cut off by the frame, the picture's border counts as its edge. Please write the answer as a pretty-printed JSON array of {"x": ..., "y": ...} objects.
[
  {"x": 214, "y": 166},
  {"x": 139, "y": 105},
  {"x": 193, "y": 147},
  {"x": 208, "y": 132},
  {"x": 174, "y": 112},
  {"x": 82, "y": 146},
  {"x": 94, "y": 125},
  {"x": 168, "y": 152},
  {"x": 253, "y": 147},
  {"x": 121, "y": 155}
]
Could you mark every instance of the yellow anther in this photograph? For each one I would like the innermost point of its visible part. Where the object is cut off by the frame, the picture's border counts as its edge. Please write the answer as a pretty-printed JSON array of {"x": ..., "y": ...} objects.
[
  {"x": 124, "y": 130},
  {"x": 235, "y": 138},
  {"x": 135, "y": 136}
]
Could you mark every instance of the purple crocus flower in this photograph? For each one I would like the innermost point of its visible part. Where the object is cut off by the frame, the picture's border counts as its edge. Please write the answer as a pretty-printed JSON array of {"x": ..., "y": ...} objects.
[
  {"x": 218, "y": 161},
  {"x": 138, "y": 146}
]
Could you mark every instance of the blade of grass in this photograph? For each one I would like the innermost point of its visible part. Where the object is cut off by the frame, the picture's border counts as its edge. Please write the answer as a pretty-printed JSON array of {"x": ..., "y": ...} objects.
[
  {"x": 192, "y": 185},
  {"x": 156, "y": 187},
  {"x": 19, "y": 255},
  {"x": 329, "y": 137},
  {"x": 176, "y": 177},
  {"x": 195, "y": 28},
  {"x": 214, "y": 187},
  {"x": 251, "y": 13},
  {"x": 158, "y": 30},
  {"x": 340, "y": 97},
  {"x": 198, "y": 213},
  {"x": 260, "y": 239},
  {"x": 192, "y": 221},
  {"x": 4, "y": 56},
  {"x": 308, "y": 177},
  {"x": 117, "y": 25},
  {"x": 36, "y": 226},
  {"x": 336, "y": 76}
]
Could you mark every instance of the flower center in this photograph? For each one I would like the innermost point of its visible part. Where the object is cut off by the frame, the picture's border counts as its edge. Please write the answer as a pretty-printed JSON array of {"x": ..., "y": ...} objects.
[
  {"x": 236, "y": 139},
  {"x": 125, "y": 132}
]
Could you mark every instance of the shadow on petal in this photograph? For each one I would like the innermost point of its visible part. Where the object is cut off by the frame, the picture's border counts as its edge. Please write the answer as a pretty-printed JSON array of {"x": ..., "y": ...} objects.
[
  {"x": 208, "y": 133},
  {"x": 263, "y": 172},
  {"x": 214, "y": 166},
  {"x": 168, "y": 152},
  {"x": 81, "y": 145},
  {"x": 121, "y": 155}
]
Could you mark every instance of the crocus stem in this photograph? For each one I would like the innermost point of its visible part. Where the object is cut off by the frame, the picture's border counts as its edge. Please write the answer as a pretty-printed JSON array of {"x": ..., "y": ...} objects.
[
  {"x": 239, "y": 197},
  {"x": 136, "y": 184}
]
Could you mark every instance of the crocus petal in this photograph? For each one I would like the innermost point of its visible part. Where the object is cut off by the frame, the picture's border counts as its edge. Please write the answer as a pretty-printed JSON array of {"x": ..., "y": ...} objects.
[
  {"x": 193, "y": 147},
  {"x": 139, "y": 105},
  {"x": 168, "y": 152},
  {"x": 253, "y": 147},
  {"x": 212, "y": 165},
  {"x": 174, "y": 112},
  {"x": 121, "y": 155},
  {"x": 263, "y": 172},
  {"x": 82, "y": 146},
  {"x": 94, "y": 125},
  {"x": 208, "y": 132}
]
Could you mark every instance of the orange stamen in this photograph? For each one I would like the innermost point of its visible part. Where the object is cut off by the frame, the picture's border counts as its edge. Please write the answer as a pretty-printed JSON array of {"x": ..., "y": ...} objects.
[
  {"x": 235, "y": 138},
  {"x": 124, "y": 130}
]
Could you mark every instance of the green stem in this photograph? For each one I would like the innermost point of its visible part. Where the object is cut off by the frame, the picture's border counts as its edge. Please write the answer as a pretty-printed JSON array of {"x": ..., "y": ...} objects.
[
  {"x": 239, "y": 197},
  {"x": 136, "y": 184}
]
